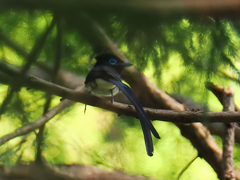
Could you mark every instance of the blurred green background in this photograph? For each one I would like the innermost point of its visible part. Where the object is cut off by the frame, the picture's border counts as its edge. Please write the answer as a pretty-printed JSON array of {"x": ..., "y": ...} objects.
[{"x": 178, "y": 55}]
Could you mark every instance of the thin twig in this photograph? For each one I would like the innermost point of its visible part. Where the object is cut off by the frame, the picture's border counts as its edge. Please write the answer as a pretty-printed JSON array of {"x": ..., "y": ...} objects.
[
  {"x": 36, "y": 124},
  {"x": 18, "y": 145},
  {"x": 57, "y": 63},
  {"x": 40, "y": 134},
  {"x": 13, "y": 45},
  {"x": 187, "y": 166}
]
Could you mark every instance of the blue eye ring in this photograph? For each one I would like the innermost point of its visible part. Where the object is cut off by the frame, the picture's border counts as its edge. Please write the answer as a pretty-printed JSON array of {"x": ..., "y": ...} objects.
[{"x": 112, "y": 61}]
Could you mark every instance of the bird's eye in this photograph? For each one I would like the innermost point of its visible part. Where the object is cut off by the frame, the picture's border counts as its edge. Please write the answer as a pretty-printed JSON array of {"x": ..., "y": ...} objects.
[{"x": 112, "y": 61}]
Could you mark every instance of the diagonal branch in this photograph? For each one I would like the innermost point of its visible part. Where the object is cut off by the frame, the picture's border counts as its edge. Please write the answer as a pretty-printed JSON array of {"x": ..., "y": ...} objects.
[
  {"x": 13, "y": 45},
  {"x": 220, "y": 93},
  {"x": 57, "y": 63},
  {"x": 36, "y": 124},
  {"x": 31, "y": 58}
]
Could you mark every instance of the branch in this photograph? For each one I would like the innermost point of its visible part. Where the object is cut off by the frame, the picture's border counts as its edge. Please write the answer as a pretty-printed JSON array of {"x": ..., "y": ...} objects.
[
  {"x": 213, "y": 8},
  {"x": 186, "y": 167},
  {"x": 38, "y": 123},
  {"x": 220, "y": 93},
  {"x": 119, "y": 108},
  {"x": 63, "y": 172},
  {"x": 228, "y": 145},
  {"x": 218, "y": 129},
  {"x": 31, "y": 58},
  {"x": 13, "y": 45},
  {"x": 226, "y": 97},
  {"x": 57, "y": 63},
  {"x": 228, "y": 139},
  {"x": 195, "y": 130},
  {"x": 123, "y": 109},
  {"x": 70, "y": 80}
]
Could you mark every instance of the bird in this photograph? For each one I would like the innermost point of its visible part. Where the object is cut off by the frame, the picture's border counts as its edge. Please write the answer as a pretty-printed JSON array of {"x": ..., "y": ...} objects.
[{"x": 104, "y": 79}]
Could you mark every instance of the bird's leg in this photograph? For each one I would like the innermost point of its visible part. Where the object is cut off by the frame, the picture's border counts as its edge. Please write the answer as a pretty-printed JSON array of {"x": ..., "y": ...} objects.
[
  {"x": 85, "y": 108},
  {"x": 112, "y": 100},
  {"x": 90, "y": 92}
]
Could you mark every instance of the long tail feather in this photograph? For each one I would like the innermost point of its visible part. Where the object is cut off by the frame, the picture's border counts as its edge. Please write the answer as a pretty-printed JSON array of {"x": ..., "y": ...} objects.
[
  {"x": 136, "y": 103},
  {"x": 145, "y": 122},
  {"x": 147, "y": 139}
]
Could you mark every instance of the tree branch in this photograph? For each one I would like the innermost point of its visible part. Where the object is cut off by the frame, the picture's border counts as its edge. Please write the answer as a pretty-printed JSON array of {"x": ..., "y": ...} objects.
[
  {"x": 63, "y": 172},
  {"x": 31, "y": 58},
  {"x": 226, "y": 97},
  {"x": 13, "y": 45},
  {"x": 57, "y": 63},
  {"x": 228, "y": 139},
  {"x": 213, "y": 8},
  {"x": 228, "y": 145},
  {"x": 121, "y": 109},
  {"x": 36, "y": 124},
  {"x": 220, "y": 93}
]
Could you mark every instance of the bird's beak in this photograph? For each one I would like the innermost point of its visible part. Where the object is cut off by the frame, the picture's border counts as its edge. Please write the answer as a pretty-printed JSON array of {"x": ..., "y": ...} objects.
[{"x": 125, "y": 64}]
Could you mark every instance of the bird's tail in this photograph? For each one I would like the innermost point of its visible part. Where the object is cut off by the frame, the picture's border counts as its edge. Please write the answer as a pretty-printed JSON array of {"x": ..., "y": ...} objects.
[{"x": 145, "y": 122}]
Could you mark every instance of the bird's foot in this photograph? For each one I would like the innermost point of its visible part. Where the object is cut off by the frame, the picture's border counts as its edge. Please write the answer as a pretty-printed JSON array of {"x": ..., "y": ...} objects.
[
  {"x": 112, "y": 100},
  {"x": 85, "y": 109}
]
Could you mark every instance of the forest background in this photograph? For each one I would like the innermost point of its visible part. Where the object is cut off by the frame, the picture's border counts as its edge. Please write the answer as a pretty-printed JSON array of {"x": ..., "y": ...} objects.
[{"x": 178, "y": 45}]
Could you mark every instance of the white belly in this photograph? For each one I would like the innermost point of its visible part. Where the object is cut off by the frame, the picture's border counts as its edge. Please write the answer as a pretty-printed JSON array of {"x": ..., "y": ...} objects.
[
  {"x": 103, "y": 88},
  {"x": 104, "y": 84}
]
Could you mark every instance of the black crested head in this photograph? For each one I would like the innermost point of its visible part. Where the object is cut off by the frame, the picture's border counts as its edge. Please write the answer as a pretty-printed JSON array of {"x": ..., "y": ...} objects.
[
  {"x": 104, "y": 58},
  {"x": 111, "y": 60}
]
